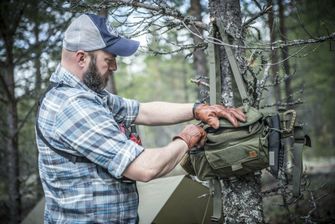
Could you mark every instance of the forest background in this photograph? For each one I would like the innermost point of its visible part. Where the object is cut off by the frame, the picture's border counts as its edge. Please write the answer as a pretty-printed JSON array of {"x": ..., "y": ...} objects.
[{"x": 30, "y": 44}]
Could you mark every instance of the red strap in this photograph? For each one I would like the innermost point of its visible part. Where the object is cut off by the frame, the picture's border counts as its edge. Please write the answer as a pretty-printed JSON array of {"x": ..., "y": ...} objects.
[{"x": 130, "y": 135}]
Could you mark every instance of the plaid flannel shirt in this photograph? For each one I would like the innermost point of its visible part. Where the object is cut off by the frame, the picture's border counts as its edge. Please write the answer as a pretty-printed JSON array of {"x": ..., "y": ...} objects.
[{"x": 79, "y": 121}]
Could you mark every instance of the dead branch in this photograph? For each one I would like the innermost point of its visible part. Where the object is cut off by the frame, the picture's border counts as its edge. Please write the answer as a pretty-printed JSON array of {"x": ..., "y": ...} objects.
[
  {"x": 199, "y": 82},
  {"x": 259, "y": 14},
  {"x": 161, "y": 8}
]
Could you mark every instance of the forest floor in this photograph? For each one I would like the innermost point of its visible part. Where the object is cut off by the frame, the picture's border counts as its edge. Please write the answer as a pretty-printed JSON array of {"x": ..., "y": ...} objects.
[{"x": 317, "y": 205}]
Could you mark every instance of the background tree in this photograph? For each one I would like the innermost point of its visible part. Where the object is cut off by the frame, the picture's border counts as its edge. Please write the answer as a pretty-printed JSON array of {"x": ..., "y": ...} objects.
[
  {"x": 285, "y": 53},
  {"x": 27, "y": 32},
  {"x": 274, "y": 56},
  {"x": 196, "y": 11},
  {"x": 242, "y": 199}
]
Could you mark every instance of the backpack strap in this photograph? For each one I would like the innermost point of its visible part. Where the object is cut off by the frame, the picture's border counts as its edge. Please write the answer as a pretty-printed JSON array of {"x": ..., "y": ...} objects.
[
  {"x": 300, "y": 140},
  {"x": 216, "y": 192},
  {"x": 297, "y": 168},
  {"x": 214, "y": 71},
  {"x": 233, "y": 65},
  {"x": 69, "y": 156}
]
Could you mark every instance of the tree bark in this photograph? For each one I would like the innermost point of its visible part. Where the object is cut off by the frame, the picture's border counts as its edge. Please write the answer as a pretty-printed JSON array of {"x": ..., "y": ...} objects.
[
  {"x": 37, "y": 62},
  {"x": 38, "y": 82},
  {"x": 199, "y": 57},
  {"x": 274, "y": 56},
  {"x": 285, "y": 54},
  {"x": 12, "y": 151},
  {"x": 8, "y": 28},
  {"x": 242, "y": 201}
]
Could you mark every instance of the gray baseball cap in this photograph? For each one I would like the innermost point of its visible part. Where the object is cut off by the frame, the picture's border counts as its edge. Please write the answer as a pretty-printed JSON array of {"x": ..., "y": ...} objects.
[{"x": 90, "y": 32}]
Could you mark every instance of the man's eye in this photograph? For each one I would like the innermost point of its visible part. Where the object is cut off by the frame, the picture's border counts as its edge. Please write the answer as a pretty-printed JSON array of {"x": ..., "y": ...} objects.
[{"x": 109, "y": 61}]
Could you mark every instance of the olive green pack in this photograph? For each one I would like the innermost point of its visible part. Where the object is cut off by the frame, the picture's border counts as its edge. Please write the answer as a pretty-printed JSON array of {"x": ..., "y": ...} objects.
[
  {"x": 258, "y": 143},
  {"x": 231, "y": 151}
]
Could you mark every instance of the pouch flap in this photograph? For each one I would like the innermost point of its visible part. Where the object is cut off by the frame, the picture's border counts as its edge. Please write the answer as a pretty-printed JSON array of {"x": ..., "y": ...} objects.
[{"x": 253, "y": 115}]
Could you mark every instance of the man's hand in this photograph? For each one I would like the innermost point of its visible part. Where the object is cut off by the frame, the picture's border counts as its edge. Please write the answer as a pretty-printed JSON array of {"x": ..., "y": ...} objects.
[
  {"x": 211, "y": 114},
  {"x": 193, "y": 135}
]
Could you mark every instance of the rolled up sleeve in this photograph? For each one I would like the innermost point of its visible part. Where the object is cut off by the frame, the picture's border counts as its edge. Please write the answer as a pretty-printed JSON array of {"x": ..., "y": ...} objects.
[
  {"x": 91, "y": 128},
  {"x": 124, "y": 110}
]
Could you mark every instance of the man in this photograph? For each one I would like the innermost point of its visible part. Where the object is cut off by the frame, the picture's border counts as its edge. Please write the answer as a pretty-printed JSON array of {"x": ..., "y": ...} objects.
[{"x": 88, "y": 166}]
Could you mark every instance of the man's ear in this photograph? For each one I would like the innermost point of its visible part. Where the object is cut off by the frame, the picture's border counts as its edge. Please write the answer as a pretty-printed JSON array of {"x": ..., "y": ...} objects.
[{"x": 81, "y": 58}]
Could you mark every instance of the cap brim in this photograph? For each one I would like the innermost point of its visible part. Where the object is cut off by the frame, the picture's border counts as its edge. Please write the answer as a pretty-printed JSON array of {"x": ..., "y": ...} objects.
[{"x": 123, "y": 47}]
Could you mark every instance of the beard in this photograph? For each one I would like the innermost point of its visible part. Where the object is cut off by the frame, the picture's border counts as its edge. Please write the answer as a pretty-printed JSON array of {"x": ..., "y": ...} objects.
[{"x": 93, "y": 79}]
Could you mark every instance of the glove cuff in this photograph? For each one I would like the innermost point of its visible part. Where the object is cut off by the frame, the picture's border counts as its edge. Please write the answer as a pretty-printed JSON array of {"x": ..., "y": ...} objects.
[
  {"x": 184, "y": 138},
  {"x": 192, "y": 135},
  {"x": 196, "y": 104}
]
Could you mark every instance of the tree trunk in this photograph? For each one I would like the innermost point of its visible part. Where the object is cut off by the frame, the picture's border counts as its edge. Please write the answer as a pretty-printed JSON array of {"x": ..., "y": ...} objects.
[
  {"x": 199, "y": 57},
  {"x": 38, "y": 84},
  {"x": 274, "y": 56},
  {"x": 12, "y": 150},
  {"x": 8, "y": 30},
  {"x": 242, "y": 201},
  {"x": 37, "y": 62},
  {"x": 285, "y": 55}
]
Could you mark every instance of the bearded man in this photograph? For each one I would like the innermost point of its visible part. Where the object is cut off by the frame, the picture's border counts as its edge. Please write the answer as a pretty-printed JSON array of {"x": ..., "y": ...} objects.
[{"x": 87, "y": 163}]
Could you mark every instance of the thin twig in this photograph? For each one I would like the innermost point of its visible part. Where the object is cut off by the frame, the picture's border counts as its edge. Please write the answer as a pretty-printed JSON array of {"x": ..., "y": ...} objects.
[
  {"x": 199, "y": 82},
  {"x": 259, "y": 14}
]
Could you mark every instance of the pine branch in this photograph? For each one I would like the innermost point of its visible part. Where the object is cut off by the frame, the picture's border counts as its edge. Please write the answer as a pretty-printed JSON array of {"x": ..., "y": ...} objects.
[
  {"x": 265, "y": 46},
  {"x": 294, "y": 43},
  {"x": 161, "y": 8},
  {"x": 179, "y": 49},
  {"x": 256, "y": 16}
]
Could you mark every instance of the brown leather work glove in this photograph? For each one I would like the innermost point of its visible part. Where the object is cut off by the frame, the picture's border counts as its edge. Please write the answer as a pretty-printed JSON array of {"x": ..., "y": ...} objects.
[
  {"x": 211, "y": 114},
  {"x": 193, "y": 135}
]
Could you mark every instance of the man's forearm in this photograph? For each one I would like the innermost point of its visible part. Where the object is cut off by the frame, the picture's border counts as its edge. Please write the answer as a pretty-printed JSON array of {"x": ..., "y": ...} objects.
[
  {"x": 156, "y": 162},
  {"x": 162, "y": 113}
]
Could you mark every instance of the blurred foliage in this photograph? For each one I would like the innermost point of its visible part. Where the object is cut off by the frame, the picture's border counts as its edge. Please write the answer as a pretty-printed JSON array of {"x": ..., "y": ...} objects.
[
  {"x": 156, "y": 78},
  {"x": 314, "y": 68}
]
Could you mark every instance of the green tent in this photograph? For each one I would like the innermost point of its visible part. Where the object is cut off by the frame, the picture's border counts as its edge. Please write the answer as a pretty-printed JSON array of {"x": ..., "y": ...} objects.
[{"x": 173, "y": 199}]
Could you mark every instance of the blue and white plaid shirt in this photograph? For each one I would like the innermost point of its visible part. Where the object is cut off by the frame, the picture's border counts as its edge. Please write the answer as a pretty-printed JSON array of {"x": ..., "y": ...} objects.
[{"x": 79, "y": 121}]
